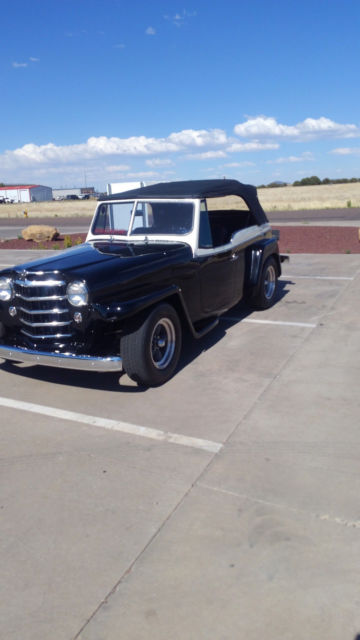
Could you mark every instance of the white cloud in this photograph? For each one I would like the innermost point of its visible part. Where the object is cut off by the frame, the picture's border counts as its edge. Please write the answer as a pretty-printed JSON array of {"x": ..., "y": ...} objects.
[
  {"x": 34, "y": 59},
  {"x": 251, "y": 146},
  {"x": 117, "y": 167},
  {"x": 239, "y": 164},
  {"x": 150, "y": 31},
  {"x": 119, "y": 46},
  {"x": 159, "y": 162},
  {"x": 179, "y": 18},
  {"x": 143, "y": 174},
  {"x": 207, "y": 154},
  {"x": 160, "y": 152},
  {"x": 310, "y": 128},
  {"x": 347, "y": 151},
  {"x": 19, "y": 65},
  {"x": 198, "y": 138},
  {"x": 32, "y": 154},
  {"x": 304, "y": 157}
]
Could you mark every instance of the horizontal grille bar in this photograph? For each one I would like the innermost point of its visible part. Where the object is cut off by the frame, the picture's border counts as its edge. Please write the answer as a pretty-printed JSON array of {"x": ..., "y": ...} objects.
[
  {"x": 42, "y": 311},
  {"x": 43, "y": 306},
  {"x": 45, "y": 337},
  {"x": 20, "y": 295},
  {"x": 53, "y": 323},
  {"x": 40, "y": 283}
]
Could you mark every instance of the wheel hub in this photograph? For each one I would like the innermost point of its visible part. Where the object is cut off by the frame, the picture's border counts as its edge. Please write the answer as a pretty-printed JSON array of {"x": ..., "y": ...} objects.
[
  {"x": 163, "y": 343},
  {"x": 269, "y": 282}
]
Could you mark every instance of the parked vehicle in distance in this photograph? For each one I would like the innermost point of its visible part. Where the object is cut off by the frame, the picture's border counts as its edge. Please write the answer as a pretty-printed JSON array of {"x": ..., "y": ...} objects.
[{"x": 157, "y": 260}]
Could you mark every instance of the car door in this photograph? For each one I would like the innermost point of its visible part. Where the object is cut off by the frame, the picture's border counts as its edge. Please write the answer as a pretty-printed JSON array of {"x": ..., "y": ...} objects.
[
  {"x": 217, "y": 273},
  {"x": 221, "y": 270}
]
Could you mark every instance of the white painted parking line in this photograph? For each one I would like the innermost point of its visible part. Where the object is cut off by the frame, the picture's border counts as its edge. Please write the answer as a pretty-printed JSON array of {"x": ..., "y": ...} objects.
[
  {"x": 283, "y": 277},
  {"x": 281, "y": 323},
  {"x": 114, "y": 425}
]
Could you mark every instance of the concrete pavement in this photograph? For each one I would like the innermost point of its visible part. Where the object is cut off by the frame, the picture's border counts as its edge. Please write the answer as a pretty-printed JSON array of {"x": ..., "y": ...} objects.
[{"x": 106, "y": 535}]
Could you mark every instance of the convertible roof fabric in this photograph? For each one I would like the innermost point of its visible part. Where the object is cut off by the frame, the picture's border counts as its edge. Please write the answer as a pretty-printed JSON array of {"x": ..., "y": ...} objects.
[{"x": 197, "y": 189}]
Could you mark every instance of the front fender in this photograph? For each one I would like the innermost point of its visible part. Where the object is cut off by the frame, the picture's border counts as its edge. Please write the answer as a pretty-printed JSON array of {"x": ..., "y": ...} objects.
[
  {"x": 122, "y": 310},
  {"x": 116, "y": 312}
]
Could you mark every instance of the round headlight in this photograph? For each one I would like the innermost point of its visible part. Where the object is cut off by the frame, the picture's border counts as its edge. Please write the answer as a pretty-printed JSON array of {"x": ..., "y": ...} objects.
[
  {"x": 77, "y": 293},
  {"x": 6, "y": 289}
]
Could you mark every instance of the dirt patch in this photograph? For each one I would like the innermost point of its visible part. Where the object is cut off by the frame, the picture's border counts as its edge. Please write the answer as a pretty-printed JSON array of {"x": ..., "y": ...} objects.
[{"x": 304, "y": 239}]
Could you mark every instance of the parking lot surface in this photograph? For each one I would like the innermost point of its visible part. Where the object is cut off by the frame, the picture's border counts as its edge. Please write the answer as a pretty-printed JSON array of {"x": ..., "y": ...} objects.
[{"x": 222, "y": 505}]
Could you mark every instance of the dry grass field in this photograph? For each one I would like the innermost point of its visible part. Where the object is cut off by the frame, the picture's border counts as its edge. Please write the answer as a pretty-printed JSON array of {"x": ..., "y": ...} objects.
[
  {"x": 330, "y": 196},
  {"x": 54, "y": 208}
]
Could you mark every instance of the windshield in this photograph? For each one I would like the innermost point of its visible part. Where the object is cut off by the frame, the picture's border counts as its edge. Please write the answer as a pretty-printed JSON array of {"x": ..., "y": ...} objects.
[
  {"x": 113, "y": 218},
  {"x": 150, "y": 218}
]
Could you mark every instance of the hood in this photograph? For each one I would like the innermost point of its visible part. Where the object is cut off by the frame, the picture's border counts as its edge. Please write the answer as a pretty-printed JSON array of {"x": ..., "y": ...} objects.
[{"x": 89, "y": 258}]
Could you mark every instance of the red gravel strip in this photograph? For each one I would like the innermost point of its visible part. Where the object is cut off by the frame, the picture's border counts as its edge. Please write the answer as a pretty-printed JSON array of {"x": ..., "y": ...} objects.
[
  {"x": 302, "y": 239},
  {"x": 306, "y": 239},
  {"x": 61, "y": 243}
]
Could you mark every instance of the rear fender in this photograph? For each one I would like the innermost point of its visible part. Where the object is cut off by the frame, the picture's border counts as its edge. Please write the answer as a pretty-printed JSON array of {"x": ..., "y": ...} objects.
[{"x": 257, "y": 257}]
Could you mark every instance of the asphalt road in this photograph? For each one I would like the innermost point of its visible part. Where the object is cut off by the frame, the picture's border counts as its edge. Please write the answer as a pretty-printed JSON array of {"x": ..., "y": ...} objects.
[
  {"x": 243, "y": 526},
  {"x": 324, "y": 216}
]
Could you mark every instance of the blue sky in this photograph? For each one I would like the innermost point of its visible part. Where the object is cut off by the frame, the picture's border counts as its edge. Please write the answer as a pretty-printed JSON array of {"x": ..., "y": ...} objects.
[{"x": 100, "y": 91}]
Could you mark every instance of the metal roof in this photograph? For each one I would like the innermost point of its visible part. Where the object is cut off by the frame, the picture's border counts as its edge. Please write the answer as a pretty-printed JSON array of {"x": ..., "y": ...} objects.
[{"x": 19, "y": 186}]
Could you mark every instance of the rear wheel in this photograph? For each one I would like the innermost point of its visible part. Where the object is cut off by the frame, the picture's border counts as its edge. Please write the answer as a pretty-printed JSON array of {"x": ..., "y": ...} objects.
[
  {"x": 151, "y": 352},
  {"x": 267, "y": 287}
]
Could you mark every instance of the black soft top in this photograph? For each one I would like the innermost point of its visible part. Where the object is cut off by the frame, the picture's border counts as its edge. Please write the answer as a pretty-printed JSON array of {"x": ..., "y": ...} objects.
[{"x": 197, "y": 189}]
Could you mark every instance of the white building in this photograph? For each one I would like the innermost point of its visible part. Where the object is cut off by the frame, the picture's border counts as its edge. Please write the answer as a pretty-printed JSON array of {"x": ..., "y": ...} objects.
[
  {"x": 120, "y": 187},
  {"x": 79, "y": 192},
  {"x": 26, "y": 193}
]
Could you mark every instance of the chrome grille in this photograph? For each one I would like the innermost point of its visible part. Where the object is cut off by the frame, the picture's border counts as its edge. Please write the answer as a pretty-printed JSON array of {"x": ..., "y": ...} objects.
[{"x": 42, "y": 305}]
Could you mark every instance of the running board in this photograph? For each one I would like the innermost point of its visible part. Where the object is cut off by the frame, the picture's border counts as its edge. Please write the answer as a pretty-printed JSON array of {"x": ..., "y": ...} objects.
[{"x": 206, "y": 329}]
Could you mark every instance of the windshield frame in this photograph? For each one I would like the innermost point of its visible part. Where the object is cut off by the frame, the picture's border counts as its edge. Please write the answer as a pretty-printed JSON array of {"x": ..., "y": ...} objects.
[{"x": 188, "y": 237}]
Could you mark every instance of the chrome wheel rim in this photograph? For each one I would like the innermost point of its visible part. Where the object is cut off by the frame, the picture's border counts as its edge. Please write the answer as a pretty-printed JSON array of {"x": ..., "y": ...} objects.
[
  {"x": 269, "y": 282},
  {"x": 163, "y": 342}
]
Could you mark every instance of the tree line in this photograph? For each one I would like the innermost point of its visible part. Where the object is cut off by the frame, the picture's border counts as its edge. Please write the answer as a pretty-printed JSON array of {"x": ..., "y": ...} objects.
[{"x": 309, "y": 181}]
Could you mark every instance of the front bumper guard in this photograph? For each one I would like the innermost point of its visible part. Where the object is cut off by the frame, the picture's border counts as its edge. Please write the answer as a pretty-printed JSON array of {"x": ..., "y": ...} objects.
[{"x": 62, "y": 360}]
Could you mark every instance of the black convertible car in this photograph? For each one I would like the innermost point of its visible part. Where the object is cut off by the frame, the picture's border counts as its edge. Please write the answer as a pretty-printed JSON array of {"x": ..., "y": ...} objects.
[{"x": 157, "y": 260}]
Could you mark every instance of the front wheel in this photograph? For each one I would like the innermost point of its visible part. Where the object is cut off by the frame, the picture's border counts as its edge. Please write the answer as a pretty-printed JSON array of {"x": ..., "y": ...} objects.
[
  {"x": 267, "y": 287},
  {"x": 151, "y": 352}
]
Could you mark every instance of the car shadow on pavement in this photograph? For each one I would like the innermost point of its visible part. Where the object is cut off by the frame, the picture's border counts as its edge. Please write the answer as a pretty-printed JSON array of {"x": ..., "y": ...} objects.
[
  {"x": 193, "y": 348},
  {"x": 119, "y": 382}
]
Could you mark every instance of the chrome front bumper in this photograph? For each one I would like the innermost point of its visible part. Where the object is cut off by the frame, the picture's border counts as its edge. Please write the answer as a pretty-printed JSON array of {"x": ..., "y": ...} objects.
[{"x": 62, "y": 360}]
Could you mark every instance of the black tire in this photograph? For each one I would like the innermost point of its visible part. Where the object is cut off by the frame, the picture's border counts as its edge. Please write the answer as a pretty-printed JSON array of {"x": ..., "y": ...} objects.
[
  {"x": 151, "y": 352},
  {"x": 266, "y": 290}
]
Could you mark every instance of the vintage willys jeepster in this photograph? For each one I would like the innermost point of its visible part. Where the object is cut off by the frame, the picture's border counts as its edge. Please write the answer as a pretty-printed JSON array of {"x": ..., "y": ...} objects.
[{"x": 157, "y": 260}]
